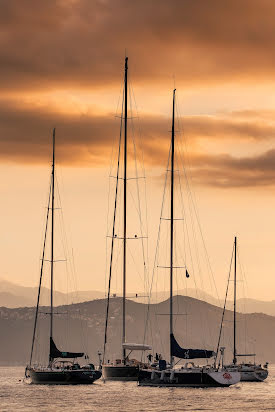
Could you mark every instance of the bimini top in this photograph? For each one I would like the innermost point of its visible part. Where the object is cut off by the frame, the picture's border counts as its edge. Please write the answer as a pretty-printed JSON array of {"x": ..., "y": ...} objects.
[{"x": 136, "y": 346}]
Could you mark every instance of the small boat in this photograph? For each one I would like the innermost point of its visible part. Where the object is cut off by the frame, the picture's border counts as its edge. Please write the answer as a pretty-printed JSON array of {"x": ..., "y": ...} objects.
[
  {"x": 63, "y": 367},
  {"x": 189, "y": 375},
  {"x": 123, "y": 369},
  {"x": 250, "y": 372},
  {"x": 127, "y": 370}
]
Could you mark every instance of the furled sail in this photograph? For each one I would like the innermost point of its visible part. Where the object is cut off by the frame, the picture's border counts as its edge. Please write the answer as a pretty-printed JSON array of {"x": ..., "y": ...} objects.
[
  {"x": 56, "y": 353},
  {"x": 179, "y": 352}
]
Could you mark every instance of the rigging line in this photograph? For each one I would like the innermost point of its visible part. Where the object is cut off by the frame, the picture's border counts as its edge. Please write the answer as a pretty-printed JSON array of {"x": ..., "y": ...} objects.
[
  {"x": 112, "y": 159},
  {"x": 224, "y": 306},
  {"x": 196, "y": 212},
  {"x": 70, "y": 266},
  {"x": 113, "y": 235},
  {"x": 116, "y": 266},
  {"x": 65, "y": 244},
  {"x": 70, "y": 269},
  {"x": 138, "y": 195},
  {"x": 157, "y": 246},
  {"x": 192, "y": 225},
  {"x": 175, "y": 271},
  {"x": 41, "y": 274},
  {"x": 189, "y": 244},
  {"x": 189, "y": 190},
  {"x": 145, "y": 183},
  {"x": 244, "y": 287},
  {"x": 83, "y": 335},
  {"x": 133, "y": 259},
  {"x": 187, "y": 235},
  {"x": 242, "y": 268}
]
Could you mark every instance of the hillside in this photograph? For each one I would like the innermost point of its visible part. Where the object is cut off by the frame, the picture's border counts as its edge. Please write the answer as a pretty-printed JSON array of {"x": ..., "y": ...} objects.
[{"x": 86, "y": 328}]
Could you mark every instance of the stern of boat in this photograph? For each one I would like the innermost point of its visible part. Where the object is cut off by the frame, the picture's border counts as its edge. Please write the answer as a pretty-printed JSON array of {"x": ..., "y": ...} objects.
[{"x": 225, "y": 378}]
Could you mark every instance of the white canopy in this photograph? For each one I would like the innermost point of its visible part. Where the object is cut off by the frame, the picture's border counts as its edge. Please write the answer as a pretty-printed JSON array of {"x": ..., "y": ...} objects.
[{"x": 136, "y": 346}]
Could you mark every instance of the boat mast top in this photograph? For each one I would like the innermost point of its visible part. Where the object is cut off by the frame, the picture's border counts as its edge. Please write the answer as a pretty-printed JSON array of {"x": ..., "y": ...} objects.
[
  {"x": 52, "y": 236},
  {"x": 172, "y": 223},
  {"x": 235, "y": 294},
  {"x": 125, "y": 207}
]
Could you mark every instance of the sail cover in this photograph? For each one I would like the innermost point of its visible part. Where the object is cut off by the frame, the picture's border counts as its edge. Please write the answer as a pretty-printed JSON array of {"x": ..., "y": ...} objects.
[
  {"x": 136, "y": 346},
  {"x": 179, "y": 352},
  {"x": 56, "y": 353}
]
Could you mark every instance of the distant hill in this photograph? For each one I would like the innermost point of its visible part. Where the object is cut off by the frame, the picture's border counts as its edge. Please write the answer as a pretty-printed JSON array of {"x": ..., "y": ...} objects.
[
  {"x": 197, "y": 326},
  {"x": 15, "y": 296}
]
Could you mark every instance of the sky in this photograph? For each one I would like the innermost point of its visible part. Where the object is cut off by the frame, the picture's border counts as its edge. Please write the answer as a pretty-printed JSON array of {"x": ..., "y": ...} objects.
[{"x": 61, "y": 65}]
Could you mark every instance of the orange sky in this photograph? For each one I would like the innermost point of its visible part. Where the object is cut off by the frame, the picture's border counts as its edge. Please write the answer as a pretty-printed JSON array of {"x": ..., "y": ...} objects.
[{"x": 62, "y": 65}]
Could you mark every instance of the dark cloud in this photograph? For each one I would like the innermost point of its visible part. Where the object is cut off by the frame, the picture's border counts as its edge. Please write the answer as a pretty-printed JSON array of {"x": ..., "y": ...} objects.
[
  {"x": 81, "y": 43},
  {"x": 86, "y": 140},
  {"x": 229, "y": 171}
]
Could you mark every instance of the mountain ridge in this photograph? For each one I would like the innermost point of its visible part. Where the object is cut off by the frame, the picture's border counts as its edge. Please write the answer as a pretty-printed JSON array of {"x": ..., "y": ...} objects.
[
  {"x": 199, "y": 329},
  {"x": 15, "y": 296}
]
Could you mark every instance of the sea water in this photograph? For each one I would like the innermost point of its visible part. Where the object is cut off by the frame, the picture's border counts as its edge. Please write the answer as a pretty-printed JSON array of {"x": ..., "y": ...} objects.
[{"x": 15, "y": 395}]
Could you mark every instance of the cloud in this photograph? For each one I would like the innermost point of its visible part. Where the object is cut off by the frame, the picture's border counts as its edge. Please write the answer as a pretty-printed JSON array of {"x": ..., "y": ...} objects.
[
  {"x": 228, "y": 171},
  {"x": 87, "y": 140},
  {"x": 81, "y": 43}
]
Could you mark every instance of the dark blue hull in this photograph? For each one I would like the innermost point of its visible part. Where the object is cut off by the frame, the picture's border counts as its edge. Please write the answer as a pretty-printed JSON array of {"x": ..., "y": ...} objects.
[
  {"x": 63, "y": 377},
  {"x": 120, "y": 373}
]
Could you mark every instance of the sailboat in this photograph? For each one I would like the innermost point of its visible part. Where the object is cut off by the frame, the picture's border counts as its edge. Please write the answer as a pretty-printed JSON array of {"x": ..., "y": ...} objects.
[
  {"x": 188, "y": 375},
  {"x": 63, "y": 367},
  {"x": 125, "y": 369},
  {"x": 250, "y": 371}
]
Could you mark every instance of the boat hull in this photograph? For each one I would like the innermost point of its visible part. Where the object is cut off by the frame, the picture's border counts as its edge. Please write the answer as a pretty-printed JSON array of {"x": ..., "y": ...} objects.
[
  {"x": 120, "y": 373},
  {"x": 250, "y": 372},
  {"x": 254, "y": 375},
  {"x": 63, "y": 377},
  {"x": 187, "y": 378}
]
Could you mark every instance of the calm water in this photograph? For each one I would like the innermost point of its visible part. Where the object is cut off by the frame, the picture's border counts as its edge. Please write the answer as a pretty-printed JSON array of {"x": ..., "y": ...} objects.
[{"x": 117, "y": 396}]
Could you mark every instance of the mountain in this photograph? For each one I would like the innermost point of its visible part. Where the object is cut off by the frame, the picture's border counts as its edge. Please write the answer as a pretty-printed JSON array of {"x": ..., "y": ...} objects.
[
  {"x": 13, "y": 296},
  {"x": 196, "y": 325},
  {"x": 16, "y": 296}
]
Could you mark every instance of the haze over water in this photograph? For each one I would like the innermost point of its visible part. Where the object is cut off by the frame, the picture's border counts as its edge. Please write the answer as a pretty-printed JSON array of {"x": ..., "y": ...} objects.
[{"x": 117, "y": 396}]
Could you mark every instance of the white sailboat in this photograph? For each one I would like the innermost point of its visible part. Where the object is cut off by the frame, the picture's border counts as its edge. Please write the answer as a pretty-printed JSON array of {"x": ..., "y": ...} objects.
[
  {"x": 124, "y": 368},
  {"x": 189, "y": 375},
  {"x": 250, "y": 371},
  {"x": 63, "y": 367}
]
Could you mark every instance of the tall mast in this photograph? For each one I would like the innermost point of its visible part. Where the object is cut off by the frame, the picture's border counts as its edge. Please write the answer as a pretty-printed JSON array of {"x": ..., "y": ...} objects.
[
  {"x": 125, "y": 207},
  {"x": 235, "y": 293},
  {"x": 172, "y": 223},
  {"x": 52, "y": 237}
]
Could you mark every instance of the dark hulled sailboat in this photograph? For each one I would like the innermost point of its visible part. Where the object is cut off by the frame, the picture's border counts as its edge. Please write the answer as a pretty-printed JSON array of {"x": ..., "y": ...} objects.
[
  {"x": 189, "y": 375},
  {"x": 124, "y": 368},
  {"x": 62, "y": 367}
]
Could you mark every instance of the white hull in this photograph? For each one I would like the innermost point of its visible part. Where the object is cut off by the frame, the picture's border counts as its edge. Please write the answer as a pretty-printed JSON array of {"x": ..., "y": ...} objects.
[
  {"x": 254, "y": 375},
  {"x": 250, "y": 372}
]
